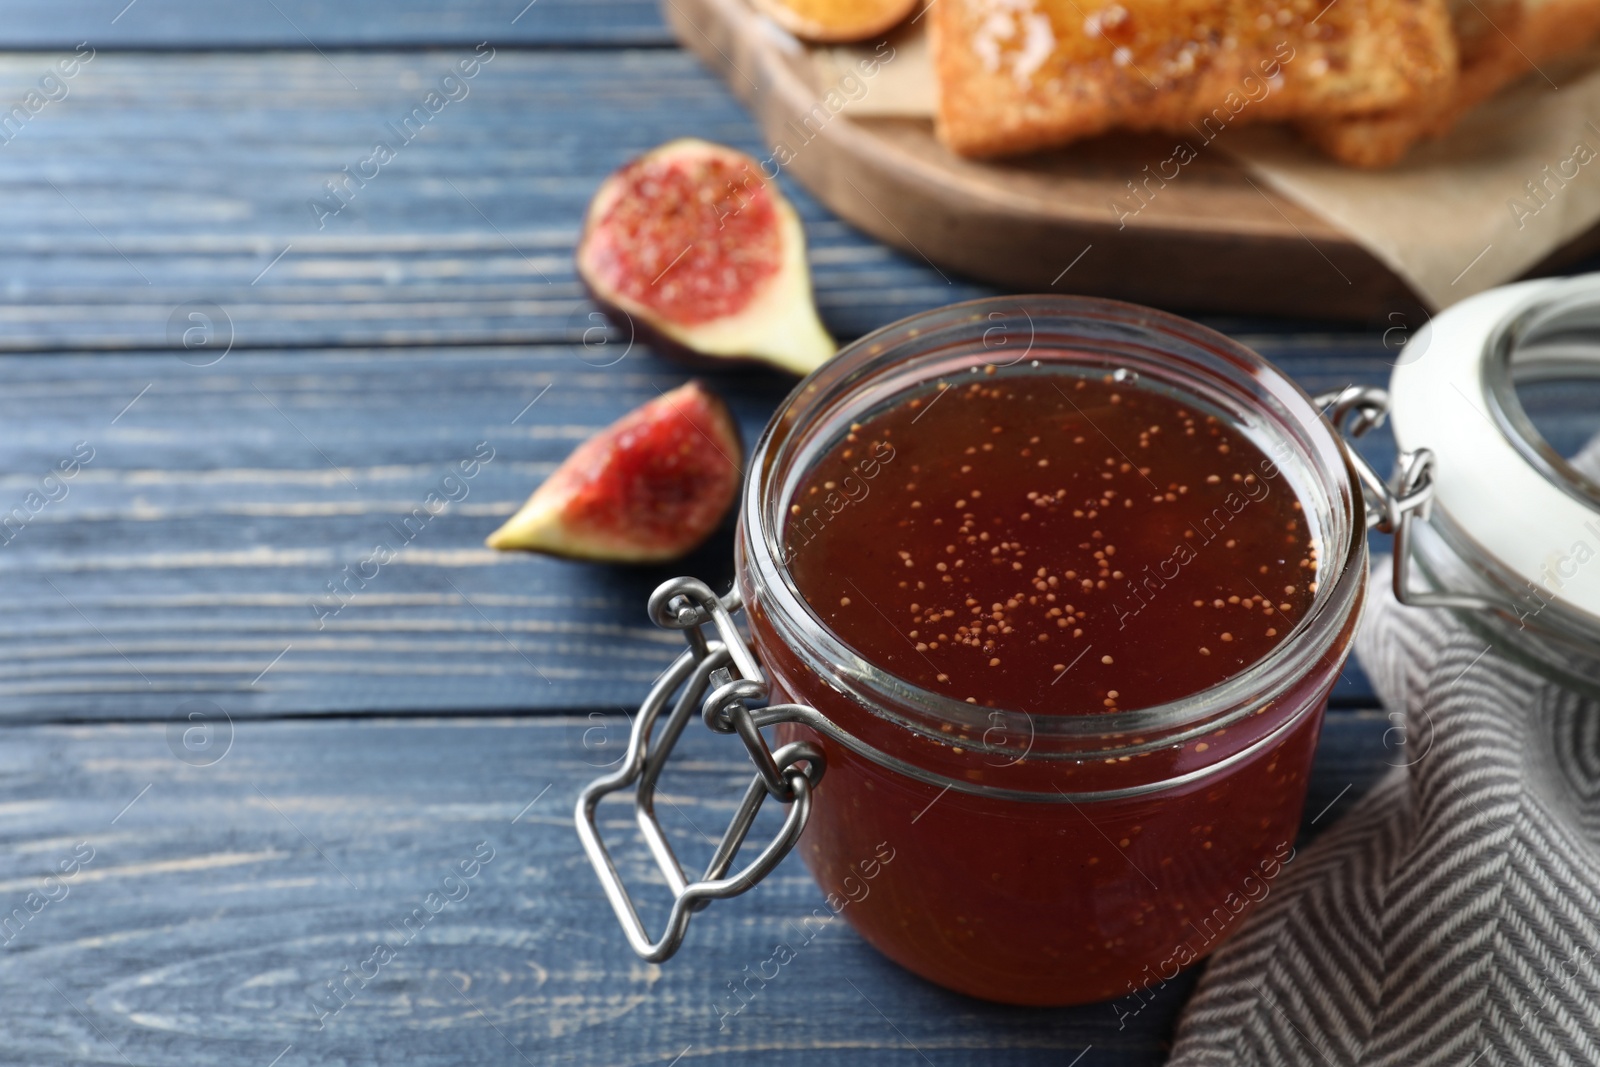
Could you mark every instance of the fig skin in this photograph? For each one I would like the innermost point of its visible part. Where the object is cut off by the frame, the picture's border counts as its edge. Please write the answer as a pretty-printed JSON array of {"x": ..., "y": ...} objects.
[
  {"x": 836, "y": 21},
  {"x": 649, "y": 488},
  {"x": 776, "y": 324}
]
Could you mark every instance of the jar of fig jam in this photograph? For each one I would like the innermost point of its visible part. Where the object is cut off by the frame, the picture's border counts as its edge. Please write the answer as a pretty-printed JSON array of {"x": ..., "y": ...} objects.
[{"x": 1055, "y": 590}]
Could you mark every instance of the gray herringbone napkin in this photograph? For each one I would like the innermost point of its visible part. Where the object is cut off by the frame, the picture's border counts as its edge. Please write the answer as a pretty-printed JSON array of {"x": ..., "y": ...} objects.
[{"x": 1453, "y": 916}]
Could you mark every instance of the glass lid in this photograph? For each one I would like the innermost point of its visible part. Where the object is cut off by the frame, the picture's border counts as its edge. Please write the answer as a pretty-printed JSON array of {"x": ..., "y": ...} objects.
[
  {"x": 1542, "y": 378},
  {"x": 1506, "y": 395}
]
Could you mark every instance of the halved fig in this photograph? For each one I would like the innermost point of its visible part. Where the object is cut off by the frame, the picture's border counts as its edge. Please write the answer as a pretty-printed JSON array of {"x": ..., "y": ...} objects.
[
  {"x": 836, "y": 21},
  {"x": 705, "y": 256},
  {"x": 648, "y": 488}
]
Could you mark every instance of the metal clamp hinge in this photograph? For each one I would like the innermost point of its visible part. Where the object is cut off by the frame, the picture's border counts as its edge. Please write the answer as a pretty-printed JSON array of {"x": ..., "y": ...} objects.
[
  {"x": 725, "y": 666},
  {"x": 1393, "y": 507}
]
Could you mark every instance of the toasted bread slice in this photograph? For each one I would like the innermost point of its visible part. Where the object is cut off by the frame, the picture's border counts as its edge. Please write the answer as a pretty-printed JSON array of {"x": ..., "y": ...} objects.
[
  {"x": 1016, "y": 75},
  {"x": 1499, "y": 45}
]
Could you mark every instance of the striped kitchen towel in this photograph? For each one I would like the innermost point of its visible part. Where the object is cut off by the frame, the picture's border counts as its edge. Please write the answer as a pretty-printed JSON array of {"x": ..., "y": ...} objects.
[{"x": 1452, "y": 918}]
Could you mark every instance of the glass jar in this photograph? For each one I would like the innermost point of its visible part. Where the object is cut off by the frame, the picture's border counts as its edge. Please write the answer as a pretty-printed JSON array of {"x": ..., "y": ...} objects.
[{"x": 1024, "y": 858}]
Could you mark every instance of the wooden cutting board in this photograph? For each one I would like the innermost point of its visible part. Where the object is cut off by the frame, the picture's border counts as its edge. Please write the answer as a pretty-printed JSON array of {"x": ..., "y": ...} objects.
[{"x": 1215, "y": 241}]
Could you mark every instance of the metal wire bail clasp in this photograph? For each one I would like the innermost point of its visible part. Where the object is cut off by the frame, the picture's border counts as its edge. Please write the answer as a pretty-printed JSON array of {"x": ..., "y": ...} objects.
[
  {"x": 1392, "y": 508},
  {"x": 722, "y": 663}
]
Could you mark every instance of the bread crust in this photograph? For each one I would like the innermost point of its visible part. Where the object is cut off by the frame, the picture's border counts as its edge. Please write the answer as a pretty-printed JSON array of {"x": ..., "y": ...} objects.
[
  {"x": 1499, "y": 46},
  {"x": 1017, "y": 75}
]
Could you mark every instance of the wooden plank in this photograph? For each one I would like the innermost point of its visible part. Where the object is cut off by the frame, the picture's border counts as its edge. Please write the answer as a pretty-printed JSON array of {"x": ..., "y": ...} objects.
[
  {"x": 221, "y": 898},
  {"x": 165, "y": 182},
  {"x": 190, "y": 557},
  {"x": 300, "y": 24},
  {"x": 160, "y": 181}
]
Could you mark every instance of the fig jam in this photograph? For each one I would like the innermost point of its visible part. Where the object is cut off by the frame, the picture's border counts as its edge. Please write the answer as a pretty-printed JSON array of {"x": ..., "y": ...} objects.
[
  {"x": 1054, "y": 545},
  {"x": 1063, "y": 539}
]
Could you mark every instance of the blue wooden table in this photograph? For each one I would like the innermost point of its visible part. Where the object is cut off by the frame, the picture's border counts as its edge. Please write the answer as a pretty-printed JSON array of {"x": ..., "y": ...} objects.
[{"x": 253, "y": 781}]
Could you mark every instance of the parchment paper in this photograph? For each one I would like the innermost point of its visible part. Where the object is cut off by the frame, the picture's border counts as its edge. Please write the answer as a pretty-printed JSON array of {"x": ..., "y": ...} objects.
[{"x": 1447, "y": 219}]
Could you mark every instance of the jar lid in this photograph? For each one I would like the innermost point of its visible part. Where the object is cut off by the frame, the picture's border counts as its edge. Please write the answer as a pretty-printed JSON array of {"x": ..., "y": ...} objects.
[{"x": 1513, "y": 503}]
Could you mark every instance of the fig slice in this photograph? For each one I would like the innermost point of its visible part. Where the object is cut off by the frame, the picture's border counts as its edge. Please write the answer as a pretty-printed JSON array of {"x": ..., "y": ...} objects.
[
  {"x": 836, "y": 21},
  {"x": 704, "y": 256},
  {"x": 648, "y": 488}
]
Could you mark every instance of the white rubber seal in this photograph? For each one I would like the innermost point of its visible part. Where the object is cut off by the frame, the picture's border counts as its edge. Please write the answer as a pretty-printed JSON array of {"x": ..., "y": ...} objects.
[{"x": 1491, "y": 492}]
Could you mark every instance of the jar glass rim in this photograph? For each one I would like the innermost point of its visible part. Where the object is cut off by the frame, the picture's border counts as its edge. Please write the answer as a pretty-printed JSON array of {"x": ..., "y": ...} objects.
[{"x": 1085, "y": 327}]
